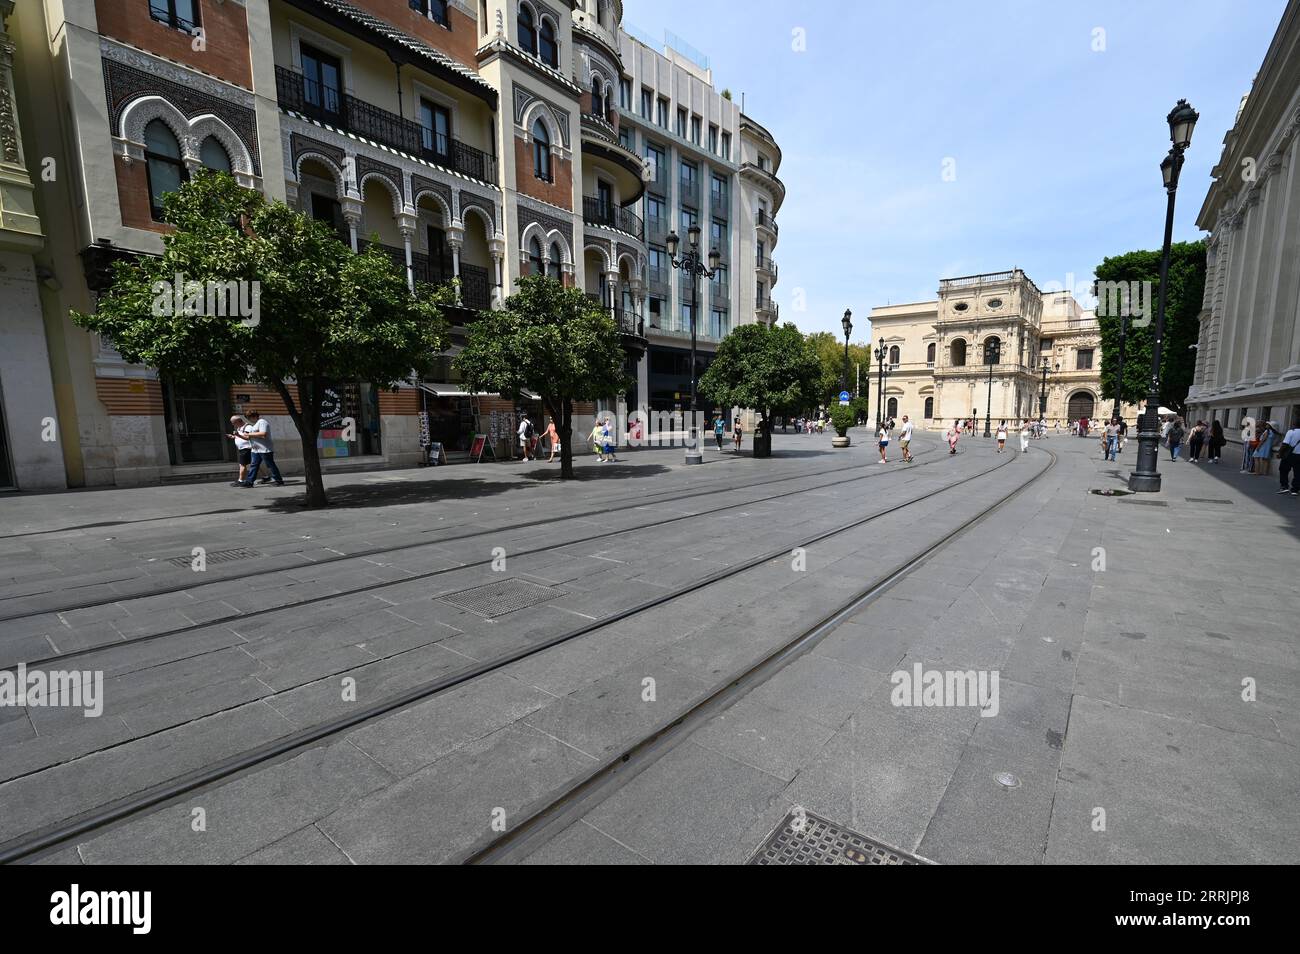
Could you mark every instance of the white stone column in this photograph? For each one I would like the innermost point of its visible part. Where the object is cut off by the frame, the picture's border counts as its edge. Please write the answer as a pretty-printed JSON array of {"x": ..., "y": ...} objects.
[
  {"x": 1262, "y": 297},
  {"x": 352, "y": 216},
  {"x": 406, "y": 225},
  {"x": 1282, "y": 361}
]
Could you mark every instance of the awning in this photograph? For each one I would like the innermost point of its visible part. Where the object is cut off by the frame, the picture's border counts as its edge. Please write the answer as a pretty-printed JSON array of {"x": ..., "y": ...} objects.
[{"x": 453, "y": 392}]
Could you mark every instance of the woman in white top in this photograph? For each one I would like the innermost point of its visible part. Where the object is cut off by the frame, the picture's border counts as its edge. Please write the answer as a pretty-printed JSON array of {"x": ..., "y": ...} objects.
[
  {"x": 1002, "y": 436},
  {"x": 1024, "y": 436},
  {"x": 882, "y": 439}
]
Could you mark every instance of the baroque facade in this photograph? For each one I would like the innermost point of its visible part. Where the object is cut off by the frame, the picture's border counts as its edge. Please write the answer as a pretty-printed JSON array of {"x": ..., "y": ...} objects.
[
  {"x": 981, "y": 349},
  {"x": 472, "y": 140},
  {"x": 1248, "y": 355}
]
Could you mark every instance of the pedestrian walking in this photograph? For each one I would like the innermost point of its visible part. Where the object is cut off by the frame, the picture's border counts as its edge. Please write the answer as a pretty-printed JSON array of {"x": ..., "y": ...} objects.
[
  {"x": 719, "y": 429},
  {"x": 1024, "y": 436},
  {"x": 1216, "y": 442},
  {"x": 882, "y": 441},
  {"x": 1123, "y": 437},
  {"x": 1196, "y": 442},
  {"x": 1290, "y": 465},
  {"x": 1111, "y": 439},
  {"x": 1175, "y": 437},
  {"x": 525, "y": 433},
  {"x": 1002, "y": 436},
  {"x": 597, "y": 438},
  {"x": 905, "y": 440},
  {"x": 243, "y": 447},
  {"x": 258, "y": 433},
  {"x": 954, "y": 433},
  {"x": 552, "y": 438},
  {"x": 738, "y": 431},
  {"x": 607, "y": 439}
]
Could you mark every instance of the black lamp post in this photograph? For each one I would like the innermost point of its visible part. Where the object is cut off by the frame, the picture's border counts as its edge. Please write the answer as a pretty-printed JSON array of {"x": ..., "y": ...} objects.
[
  {"x": 880, "y": 390},
  {"x": 691, "y": 265},
  {"x": 1146, "y": 477},
  {"x": 992, "y": 354},
  {"x": 847, "y": 324},
  {"x": 1042, "y": 394},
  {"x": 1119, "y": 366}
]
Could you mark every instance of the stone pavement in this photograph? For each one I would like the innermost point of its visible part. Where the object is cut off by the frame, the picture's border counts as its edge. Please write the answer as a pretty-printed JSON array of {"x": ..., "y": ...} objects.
[
  {"x": 1121, "y": 712},
  {"x": 1104, "y": 701}
]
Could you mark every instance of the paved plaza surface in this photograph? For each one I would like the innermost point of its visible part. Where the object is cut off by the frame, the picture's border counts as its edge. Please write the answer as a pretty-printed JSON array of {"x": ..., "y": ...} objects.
[{"x": 626, "y": 600}]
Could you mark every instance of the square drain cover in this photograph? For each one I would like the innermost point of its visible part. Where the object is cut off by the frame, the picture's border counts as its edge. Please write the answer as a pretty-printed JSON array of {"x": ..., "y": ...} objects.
[
  {"x": 803, "y": 838},
  {"x": 1207, "y": 500},
  {"x": 1145, "y": 503},
  {"x": 505, "y": 596},
  {"x": 218, "y": 556}
]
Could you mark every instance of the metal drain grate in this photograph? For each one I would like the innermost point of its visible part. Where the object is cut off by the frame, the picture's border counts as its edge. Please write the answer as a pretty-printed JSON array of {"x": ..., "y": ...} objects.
[
  {"x": 1207, "y": 500},
  {"x": 498, "y": 599},
  {"x": 218, "y": 556},
  {"x": 821, "y": 842},
  {"x": 1146, "y": 503}
]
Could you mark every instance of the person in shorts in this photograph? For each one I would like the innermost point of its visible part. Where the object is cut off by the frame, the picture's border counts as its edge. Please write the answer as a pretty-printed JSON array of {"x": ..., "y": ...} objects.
[
  {"x": 243, "y": 446},
  {"x": 1002, "y": 436},
  {"x": 905, "y": 440},
  {"x": 882, "y": 441}
]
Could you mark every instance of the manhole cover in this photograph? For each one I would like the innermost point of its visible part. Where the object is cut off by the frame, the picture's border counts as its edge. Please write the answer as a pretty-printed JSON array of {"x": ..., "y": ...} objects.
[
  {"x": 498, "y": 599},
  {"x": 1207, "y": 500},
  {"x": 803, "y": 838},
  {"x": 1147, "y": 503},
  {"x": 218, "y": 556}
]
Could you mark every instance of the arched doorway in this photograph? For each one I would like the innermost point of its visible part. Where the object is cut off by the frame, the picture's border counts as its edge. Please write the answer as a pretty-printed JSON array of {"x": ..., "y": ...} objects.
[{"x": 1081, "y": 405}]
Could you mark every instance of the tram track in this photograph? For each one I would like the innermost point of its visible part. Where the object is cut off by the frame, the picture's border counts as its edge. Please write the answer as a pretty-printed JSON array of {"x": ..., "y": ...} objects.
[
  {"x": 583, "y": 795},
  {"x": 157, "y": 794},
  {"x": 602, "y": 534},
  {"x": 722, "y": 486}
]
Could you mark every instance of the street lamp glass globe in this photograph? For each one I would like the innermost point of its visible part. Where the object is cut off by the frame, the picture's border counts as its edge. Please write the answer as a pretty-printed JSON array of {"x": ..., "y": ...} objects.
[
  {"x": 672, "y": 241},
  {"x": 1182, "y": 120},
  {"x": 693, "y": 233},
  {"x": 714, "y": 258},
  {"x": 1167, "y": 170},
  {"x": 847, "y": 323}
]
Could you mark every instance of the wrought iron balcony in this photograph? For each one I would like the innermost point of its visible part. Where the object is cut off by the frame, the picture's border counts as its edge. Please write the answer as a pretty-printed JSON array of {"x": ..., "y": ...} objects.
[
  {"x": 596, "y": 212},
  {"x": 629, "y": 323},
  {"x": 346, "y": 112},
  {"x": 475, "y": 283},
  {"x": 766, "y": 221}
]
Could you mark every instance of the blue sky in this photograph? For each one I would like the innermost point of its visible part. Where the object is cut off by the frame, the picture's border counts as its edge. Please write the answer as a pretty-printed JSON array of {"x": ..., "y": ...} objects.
[{"x": 1056, "y": 147}]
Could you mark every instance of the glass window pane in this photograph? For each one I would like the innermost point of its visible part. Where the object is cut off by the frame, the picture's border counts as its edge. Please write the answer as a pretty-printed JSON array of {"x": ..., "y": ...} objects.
[
  {"x": 158, "y": 138},
  {"x": 213, "y": 155}
]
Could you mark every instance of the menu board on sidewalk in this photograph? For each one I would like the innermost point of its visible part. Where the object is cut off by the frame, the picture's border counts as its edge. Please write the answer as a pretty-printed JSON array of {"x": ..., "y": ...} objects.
[{"x": 476, "y": 449}]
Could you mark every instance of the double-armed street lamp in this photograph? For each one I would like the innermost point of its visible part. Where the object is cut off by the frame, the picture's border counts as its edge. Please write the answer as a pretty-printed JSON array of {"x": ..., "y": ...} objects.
[
  {"x": 690, "y": 264},
  {"x": 992, "y": 354},
  {"x": 1146, "y": 477}
]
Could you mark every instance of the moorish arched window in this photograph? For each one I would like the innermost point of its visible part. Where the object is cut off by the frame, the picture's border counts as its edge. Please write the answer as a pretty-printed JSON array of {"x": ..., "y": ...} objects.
[
  {"x": 541, "y": 151},
  {"x": 536, "y": 263},
  {"x": 597, "y": 103},
  {"x": 527, "y": 30},
  {"x": 553, "y": 264},
  {"x": 547, "y": 48},
  {"x": 163, "y": 164},
  {"x": 213, "y": 155}
]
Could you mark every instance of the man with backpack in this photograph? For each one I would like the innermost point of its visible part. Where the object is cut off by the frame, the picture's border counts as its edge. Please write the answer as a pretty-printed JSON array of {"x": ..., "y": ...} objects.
[{"x": 526, "y": 436}]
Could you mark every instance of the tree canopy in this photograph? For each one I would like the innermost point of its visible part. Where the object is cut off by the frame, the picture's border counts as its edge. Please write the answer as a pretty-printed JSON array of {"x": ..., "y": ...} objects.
[
  {"x": 323, "y": 314},
  {"x": 772, "y": 370},
  {"x": 553, "y": 341},
  {"x": 830, "y": 356},
  {"x": 1186, "y": 288}
]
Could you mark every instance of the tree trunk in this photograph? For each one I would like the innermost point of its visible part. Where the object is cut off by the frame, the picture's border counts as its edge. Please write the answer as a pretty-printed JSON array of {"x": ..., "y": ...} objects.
[
  {"x": 566, "y": 439},
  {"x": 307, "y": 421}
]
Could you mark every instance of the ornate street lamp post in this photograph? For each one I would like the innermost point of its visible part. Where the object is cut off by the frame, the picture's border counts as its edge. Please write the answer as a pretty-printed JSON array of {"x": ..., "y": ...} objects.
[
  {"x": 1146, "y": 477},
  {"x": 880, "y": 390},
  {"x": 992, "y": 354},
  {"x": 690, "y": 265},
  {"x": 847, "y": 324},
  {"x": 1042, "y": 394}
]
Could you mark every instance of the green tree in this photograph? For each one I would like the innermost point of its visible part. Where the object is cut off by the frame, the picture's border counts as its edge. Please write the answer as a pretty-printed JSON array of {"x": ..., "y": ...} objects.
[
  {"x": 323, "y": 315},
  {"x": 551, "y": 340},
  {"x": 771, "y": 370},
  {"x": 1182, "y": 325},
  {"x": 830, "y": 357}
]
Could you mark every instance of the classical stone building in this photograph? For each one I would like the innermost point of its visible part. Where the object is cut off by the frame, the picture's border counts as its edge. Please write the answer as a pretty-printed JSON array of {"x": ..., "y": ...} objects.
[
  {"x": 984, "y": 344},
  {"x": 478, "y": 140},
  {"x": 1248, "y": 355}
]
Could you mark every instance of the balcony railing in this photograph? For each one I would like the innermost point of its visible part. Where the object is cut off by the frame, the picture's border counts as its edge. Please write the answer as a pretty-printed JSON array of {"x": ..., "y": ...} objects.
[
  {"x": 629, "y": 323},
  {"x": 688, "y": 191},
  {"x": 475, "y": 285},
  {"x": 350, "y": 114},
  {"x": 656, "y": 229},
  {"x": 596, "y": 212},
  {"x": 767, "y": 221}
]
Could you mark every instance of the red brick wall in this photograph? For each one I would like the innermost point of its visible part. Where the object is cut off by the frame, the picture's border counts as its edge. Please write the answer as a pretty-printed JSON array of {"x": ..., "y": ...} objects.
[
  {"x": 459, "y": 41},
  {"x": 129, "y": 397},
  {"x": 225, "y": 29},
  {"x": 133, "y": 195},
  {"x": 559, "y": 192},
  {"x": 262, "y": 399},
  {"x": 405, "y": 401}
]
